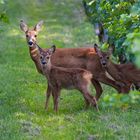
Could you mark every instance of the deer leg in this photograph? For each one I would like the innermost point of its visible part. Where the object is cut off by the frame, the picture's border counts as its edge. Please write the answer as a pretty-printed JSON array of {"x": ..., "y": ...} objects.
[
  {"x": 104, "y": 79},
  {"x": 48, "y": 93},
  {"x": 91, "y": 99},
  {"x": 86, "y": 102},
  {"x": 119, "y": 87},
  {"x": 53, "y": 95},
  {"x": 88, "y": 96},
  {"x": 98, "y": 88},
  {"x": 56, "y": 95}
]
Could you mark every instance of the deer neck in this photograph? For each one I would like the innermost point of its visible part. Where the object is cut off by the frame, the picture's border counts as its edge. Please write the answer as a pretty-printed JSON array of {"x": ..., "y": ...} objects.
[
  {"x": 109, "y": 71},
  {"x": 34, "y": 52},
  {"x": 110, "y": 66}
]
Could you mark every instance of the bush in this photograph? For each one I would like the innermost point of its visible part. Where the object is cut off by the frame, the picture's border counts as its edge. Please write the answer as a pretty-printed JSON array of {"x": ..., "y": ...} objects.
[
  {"x": 121, "y": 100},
  {"x": 121, "y": 18}
]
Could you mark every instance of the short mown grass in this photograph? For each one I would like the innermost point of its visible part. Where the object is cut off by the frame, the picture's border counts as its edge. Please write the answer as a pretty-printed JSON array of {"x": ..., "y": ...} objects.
[{"x": 22, "y": 89}]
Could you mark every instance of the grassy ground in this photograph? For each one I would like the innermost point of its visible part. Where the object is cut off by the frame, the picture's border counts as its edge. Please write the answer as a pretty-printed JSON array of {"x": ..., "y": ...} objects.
[{"x": 22, "y": 89}]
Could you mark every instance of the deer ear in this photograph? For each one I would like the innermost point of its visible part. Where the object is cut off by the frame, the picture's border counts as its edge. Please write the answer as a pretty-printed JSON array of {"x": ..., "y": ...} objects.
[
  {"x": 97, "y": 50},
  {"x": 23, "y": 26},
  {"x": 95, "y": 46},
  {"x": 38, "y": 26},
  {"x": 52, "y": 49}
]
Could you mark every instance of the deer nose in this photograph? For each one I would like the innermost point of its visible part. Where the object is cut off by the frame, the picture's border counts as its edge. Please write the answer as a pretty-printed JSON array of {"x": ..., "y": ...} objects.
[
  {"x": 104, "y": 63},
  {"x": 30, "y": 43},
  {"x": 43, "y": 62}
]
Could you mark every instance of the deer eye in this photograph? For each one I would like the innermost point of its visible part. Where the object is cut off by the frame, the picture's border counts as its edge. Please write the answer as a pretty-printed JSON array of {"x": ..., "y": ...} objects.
[
  {"x": 27, "y": 36},
  {"x": 101, "y": 57},
  {"x": 35, "y": 35},
  {"x": 48, "y": 57},
  {"x": 41, "y": 57},
  {"x": 107, "y": 57}
]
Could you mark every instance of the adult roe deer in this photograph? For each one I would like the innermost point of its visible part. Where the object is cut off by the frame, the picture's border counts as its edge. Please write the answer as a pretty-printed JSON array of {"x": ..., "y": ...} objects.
[
  {"x": 67, "y": 78},
  {"x": 70, "y": 58},
  {"x": 127, "y": 74}
]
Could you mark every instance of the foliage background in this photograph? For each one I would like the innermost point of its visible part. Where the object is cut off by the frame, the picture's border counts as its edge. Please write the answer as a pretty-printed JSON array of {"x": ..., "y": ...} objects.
[{"x": 122, "y": 20}]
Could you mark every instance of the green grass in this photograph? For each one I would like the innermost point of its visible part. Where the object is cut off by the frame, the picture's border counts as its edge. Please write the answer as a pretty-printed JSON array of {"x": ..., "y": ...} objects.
[{"x": 22, "y": 89}]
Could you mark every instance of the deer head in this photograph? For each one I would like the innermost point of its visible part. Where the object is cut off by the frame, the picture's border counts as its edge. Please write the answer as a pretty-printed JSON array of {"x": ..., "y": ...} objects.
[
  {"x": 104, "y": 56},
  {"x": 46, "y": 55},
  {"x": 31, "y": 34}
]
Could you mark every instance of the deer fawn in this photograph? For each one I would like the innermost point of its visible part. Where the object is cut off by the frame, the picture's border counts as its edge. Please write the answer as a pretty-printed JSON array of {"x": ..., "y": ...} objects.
[
  {"x": 68, "y": 78},
  {"x": 126, "y": 74},
  {"x": 85, "y": 58}
]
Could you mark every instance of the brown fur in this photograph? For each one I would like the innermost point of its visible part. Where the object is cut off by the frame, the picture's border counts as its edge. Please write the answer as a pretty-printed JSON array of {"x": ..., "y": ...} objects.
[
  {"x": 72, "y": 58},
  {"x": 67, "y": 78},
  {"x": 126, "y": 74}
]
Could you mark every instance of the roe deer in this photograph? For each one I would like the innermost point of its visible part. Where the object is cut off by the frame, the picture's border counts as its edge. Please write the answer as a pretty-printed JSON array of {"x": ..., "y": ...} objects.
[
  {"x": 127, "y": 74},
  {"x": 70, "y": 58},
  {"x": 67, "y": 78}
]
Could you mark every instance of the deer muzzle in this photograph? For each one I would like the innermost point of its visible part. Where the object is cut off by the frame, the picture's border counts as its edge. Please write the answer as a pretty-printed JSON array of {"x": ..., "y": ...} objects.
[
  {"x": 104, "y": 64},
  {"x": 30, "y": 43},
  {"x": 43, "y": 62}
]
